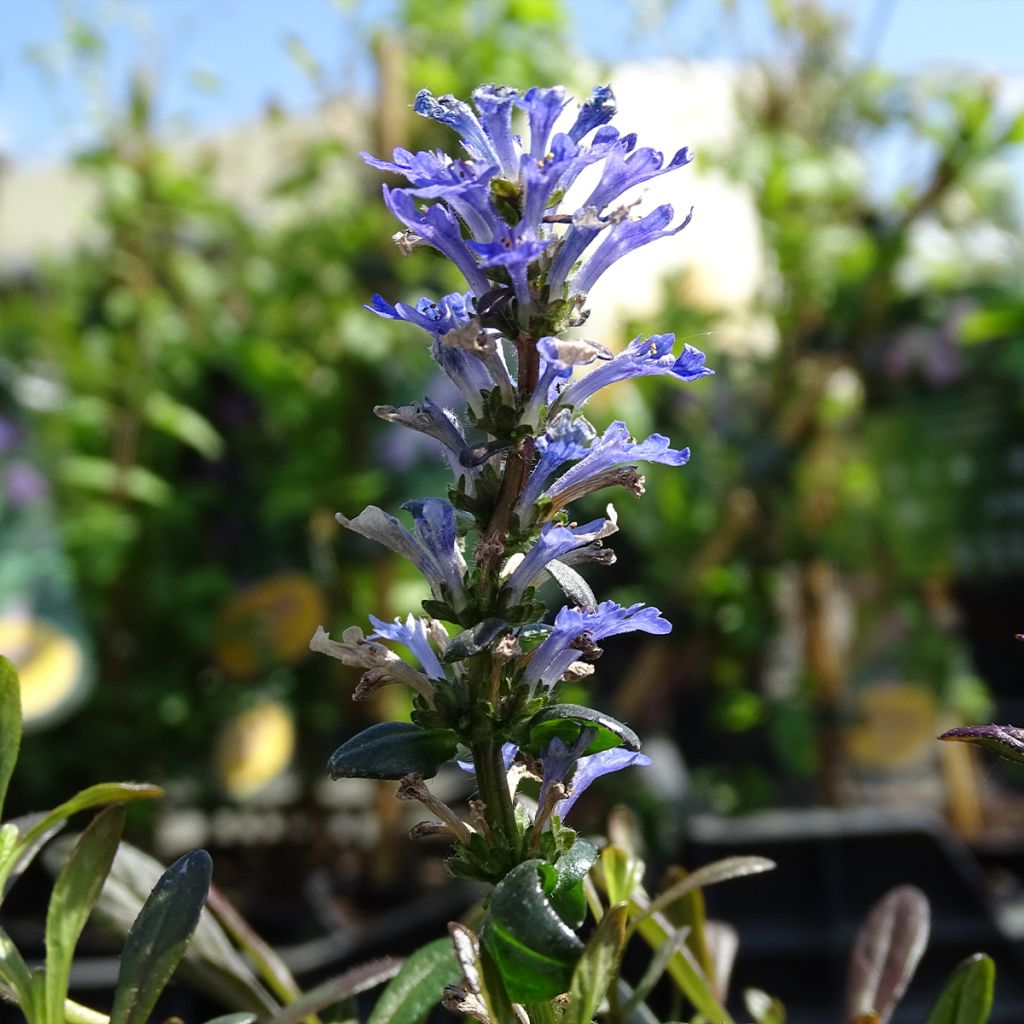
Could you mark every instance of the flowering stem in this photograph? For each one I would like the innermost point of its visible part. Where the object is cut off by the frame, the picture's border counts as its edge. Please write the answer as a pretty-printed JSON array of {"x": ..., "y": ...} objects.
[{"x": 492, "y": 784}]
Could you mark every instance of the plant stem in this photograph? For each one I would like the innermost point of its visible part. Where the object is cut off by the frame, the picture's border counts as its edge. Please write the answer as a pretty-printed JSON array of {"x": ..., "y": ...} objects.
[{"x": 492, "y": 784}]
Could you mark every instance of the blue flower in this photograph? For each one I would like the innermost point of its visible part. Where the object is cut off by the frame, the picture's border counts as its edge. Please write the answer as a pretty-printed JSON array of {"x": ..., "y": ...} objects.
[
  {"x": 413, "y": 635},
  {"x": 612, "y": 449},
  {"x": 558, "y": 358},
  {"x": 553, "y": 657},
  {"x": 456, "y": 114},
  {"x": 436, "y": 318},
  {"x": 434, "y": 548},
  {"x": 566, "y": 440},
  {"x": 554, "y": 542},
  {"x": 466, "y": 370},
  {"x": 542, "y": 107},
  {"x": 623, "y": 169},
  {"x": 427, "y": 417},
  {"x": 495, "y": 103},
  {"x": 438, "y": 227},
  {"x": 568, "y": 765},
  {"x": 598, "y": 110},
  {"x": 642, "y": 357},
  {"x": 621, "y": 240}
]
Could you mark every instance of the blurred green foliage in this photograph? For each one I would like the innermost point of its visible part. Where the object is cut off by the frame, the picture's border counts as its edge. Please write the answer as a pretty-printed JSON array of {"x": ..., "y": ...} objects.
[{"x": 215, "y": 374}]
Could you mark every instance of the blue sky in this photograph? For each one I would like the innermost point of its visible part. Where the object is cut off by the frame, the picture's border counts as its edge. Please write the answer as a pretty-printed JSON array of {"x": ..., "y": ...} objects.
[{"x": 187, "y": 44}]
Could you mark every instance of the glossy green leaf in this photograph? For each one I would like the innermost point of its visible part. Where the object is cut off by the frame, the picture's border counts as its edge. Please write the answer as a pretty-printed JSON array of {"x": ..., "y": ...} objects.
[
  {"x": 886, "y": 952},
  {"x": 74, "y": 893},
  {"x": 566, "y": 888},
  {"x": 335, "y": 990},
  {"x": 157, "y": 940},
  {"x": 474, "y": 640},
  {"x": 493, "y": 992},
  {"x": 10, "y": 725},
  {"x": 533, "y": 948},
  {"x": 566, "y": 721},
  {"x": 967, "y": 997},
  {"x": 391, "y": 750},
  {"x": 418, "y": 986},
  {"x": 597, "y": 967}
]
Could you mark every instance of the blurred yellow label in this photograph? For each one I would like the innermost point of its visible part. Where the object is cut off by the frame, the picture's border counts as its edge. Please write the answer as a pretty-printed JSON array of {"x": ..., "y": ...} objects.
[
  {"x": 253, "y": 749},
  {"x": 268, "y": 624},
  {"x": 50, "y": 664},
  {"x": 896, "y": 726}
]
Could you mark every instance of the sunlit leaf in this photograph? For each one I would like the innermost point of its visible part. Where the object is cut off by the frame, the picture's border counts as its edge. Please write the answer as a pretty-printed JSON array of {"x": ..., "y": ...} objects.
[
  {"x": 74, "y": 893},
  {"x": 10, "y": 724},
  {"x": 967, "y": 997},
  {"x": 418, "y": 986},
  {"x": 597, "y": 967}
]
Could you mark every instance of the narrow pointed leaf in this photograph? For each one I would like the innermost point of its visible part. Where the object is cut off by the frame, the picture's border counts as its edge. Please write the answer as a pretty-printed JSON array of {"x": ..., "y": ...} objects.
[
  {"x": 655, "y": 969},
  {"x": 533, "y": 948},
  {"x": 15, "y": 973},
  {"x": 392, "y": 750},
  {"x": 886, "y": 953},
  {"x": 723, "y": 942},
  {"x": 597, "y": 967},
  {"x": 10, "y": 725},
  {"x": 1005, "y": 740},
  {"x": 335, "y": 990},
  {"x": 157, "y": 940},
  {"x": 967, "y": 997},
  {"x": 724, "y": 870},
  {"x": 72, "y": 899},
  {"x": 621, "y": 873},
  {"x": 688, "y": 911},
  {"x": 234, "y": 1018},
  {"x": 418, "y": 986}
]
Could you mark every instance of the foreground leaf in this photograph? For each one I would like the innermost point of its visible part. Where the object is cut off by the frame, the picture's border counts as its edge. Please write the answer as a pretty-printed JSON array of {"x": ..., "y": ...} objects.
[
  {"x": 419, "y": 985},
  {"x": 566, "y": 894},
  {"x": 724, "y": 870},
  {"x": 886, "y": 953},
  {"x": 157, "y": 940},
  {"x": 45, "y": 825},
  {"x": 335, "y": 990},
  {"x": 566, "y": 721},
  {"x": 533, "y": 948},
  {"x": 597, "y": 967},
  {"x": 1005, "y": 740},
  {"x": 10, "y": 725},
  {"x": 72, "y": 899},
  {"x": 392, "y": 750},
  {"x": 967, "y": 997}
]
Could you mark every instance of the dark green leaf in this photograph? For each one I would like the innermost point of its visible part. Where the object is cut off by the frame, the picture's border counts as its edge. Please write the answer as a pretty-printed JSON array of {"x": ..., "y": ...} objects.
[
  {"x": 533, "y": 948},
  {"x": 967, "y": 997},
  {"x": 72, "y": 899},
  {"x": 566, "y": 721},
  {"x": 157, "y": 940},
  {"x": 419, "y": 985},
  {"x": 391, "y": 750},
  {"x": 597, "y": 967},
  {"x": 10, "y": 724},
  {"x": 474, "y": 640},
  {"x": 886, "y": 952},
  {"x": 334, "y": 990},
  {"x": 566, "y": 894}
]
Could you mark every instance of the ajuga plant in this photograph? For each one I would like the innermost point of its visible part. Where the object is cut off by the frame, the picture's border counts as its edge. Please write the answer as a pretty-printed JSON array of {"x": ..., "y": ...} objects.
[{"x": 487, "y": 661}]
